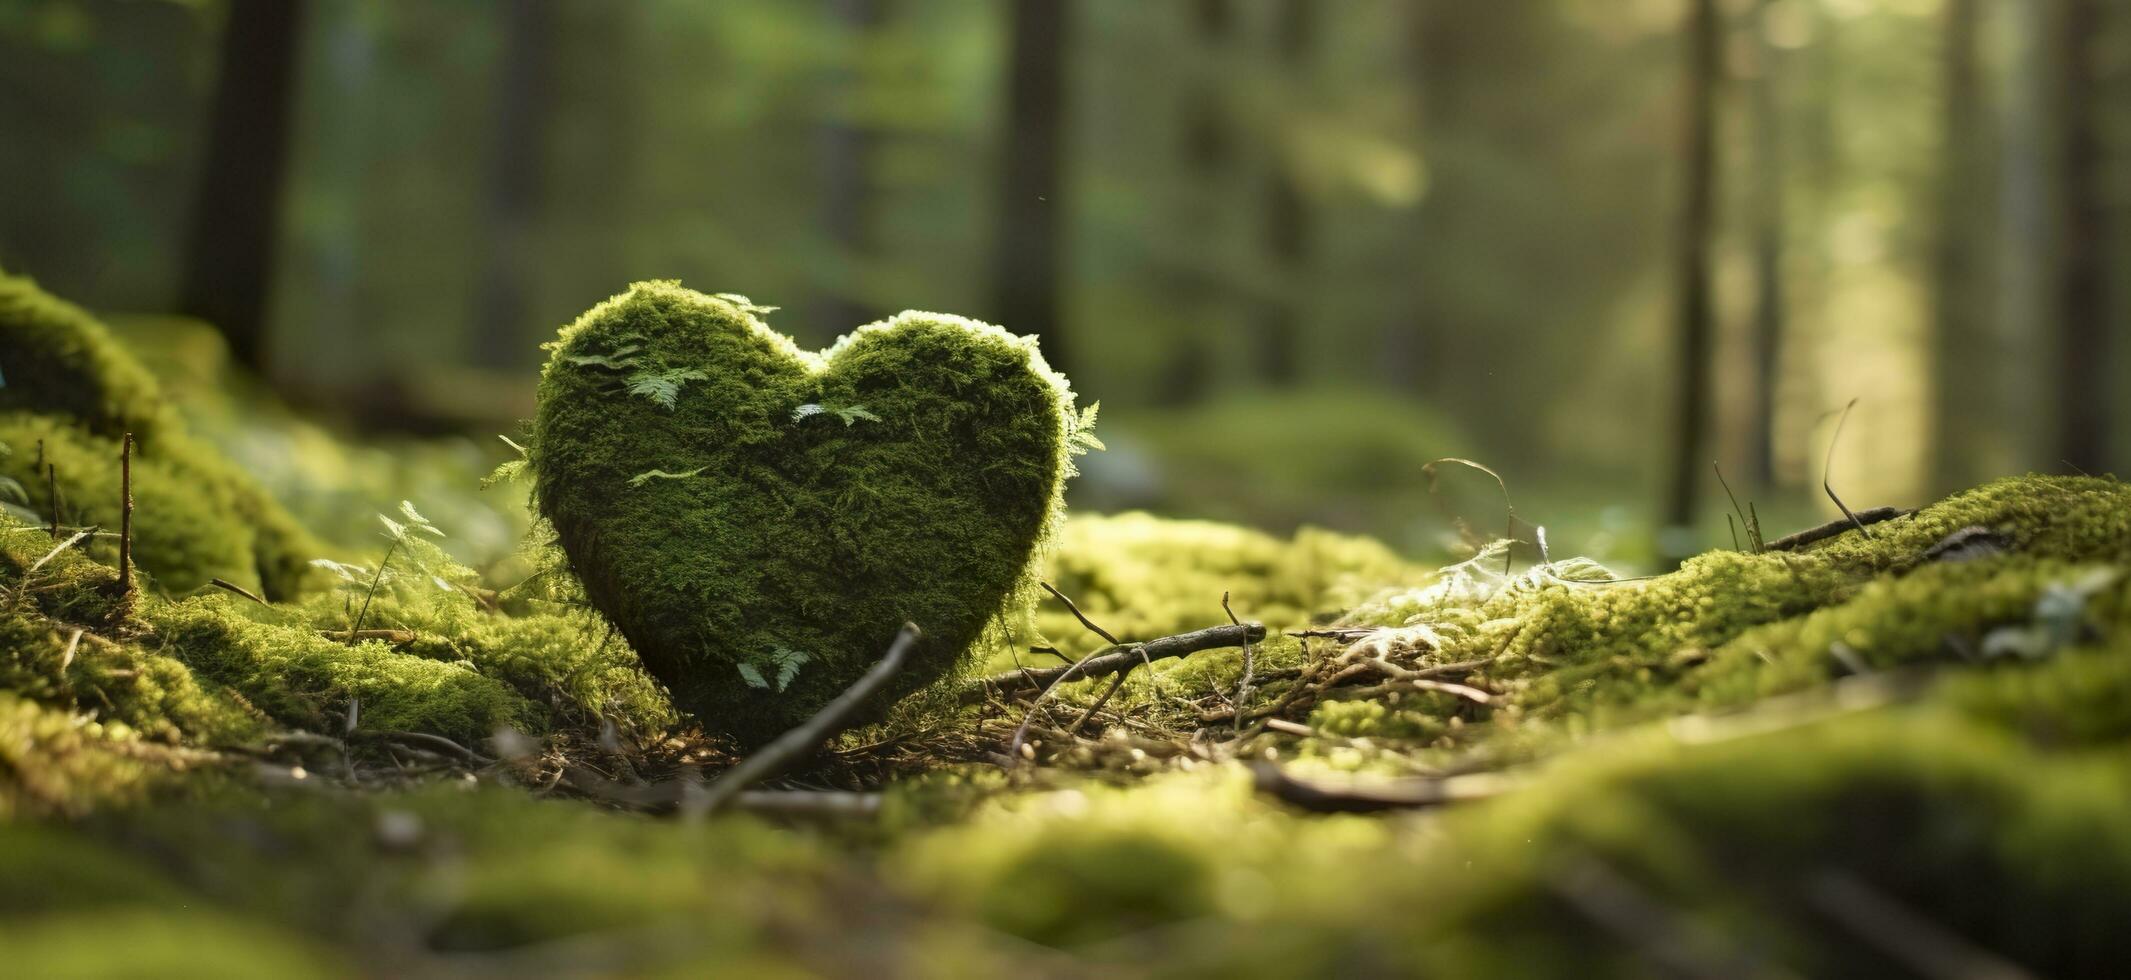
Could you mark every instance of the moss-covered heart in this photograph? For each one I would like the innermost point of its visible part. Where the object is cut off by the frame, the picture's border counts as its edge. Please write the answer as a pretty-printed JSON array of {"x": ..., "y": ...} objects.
[{"x": 758, "y": 520}]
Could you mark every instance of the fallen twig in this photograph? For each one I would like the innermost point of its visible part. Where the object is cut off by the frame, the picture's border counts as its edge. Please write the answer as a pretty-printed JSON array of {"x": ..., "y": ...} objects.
[
  {"x": 1125, "y": 658},
  {"x": 229, "y": 586},
  {"x": 1402, "y": 794},
  {"x": 1849, "y": 522},
  {"x": 788, "y": 749}
]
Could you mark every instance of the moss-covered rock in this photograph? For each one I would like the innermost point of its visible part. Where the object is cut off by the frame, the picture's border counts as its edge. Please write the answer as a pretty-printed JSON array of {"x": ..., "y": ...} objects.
[
  {"x": 759, "y": 521},
  {"x": 71, "y": 395}
]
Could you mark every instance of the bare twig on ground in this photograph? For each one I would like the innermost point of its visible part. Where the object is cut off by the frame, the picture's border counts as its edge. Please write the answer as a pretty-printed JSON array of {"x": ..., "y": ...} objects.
[
  {"x": 125, "y": 516},
  {"x": 1849, "y": 522},
  {"x": 1402, "y": 794},
  {"x": 790, "y": 748},
  {"x": 1250, "y": 664},
  {"x": 1077, "y": 614},
  {"x": 1128, "y": 656},
  {"x": 230, "y": 586},
  {"x": 1827, "y": 468}
]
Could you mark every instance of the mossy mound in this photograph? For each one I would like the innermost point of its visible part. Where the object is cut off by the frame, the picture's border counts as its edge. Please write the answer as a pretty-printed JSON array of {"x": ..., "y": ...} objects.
[
  {"x": 71, "y": 396},
  {"x": 1142, "y": 576},
  {"x": 217, "y": 671},
  {"x": 759, "y": 521},
  {"x": 1729, "y": 627}
]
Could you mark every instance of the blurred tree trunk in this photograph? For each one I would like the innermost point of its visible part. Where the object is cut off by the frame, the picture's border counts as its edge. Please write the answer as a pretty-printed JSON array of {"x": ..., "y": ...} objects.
[
  {"x": 1769, "y": 282},
  {"x": 1031, "y": 206},
  {"x": 1694, "y": 318},
  {"x": 1278, "y": 352},
  {"x": 1208, "y": 148},
  {"x": 2083, "y": 349},
  {"x": 229, "y": 255},
  {"x": 1433, "y": 52},
  {"x": 516, "y": 164},
  {"x": 847, "y": 155},
  {"x": 1963, "y": 346}
]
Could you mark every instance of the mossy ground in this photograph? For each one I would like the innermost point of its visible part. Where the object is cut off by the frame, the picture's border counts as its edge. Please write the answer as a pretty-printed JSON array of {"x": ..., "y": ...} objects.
[{"x": 1762, "y": 759}]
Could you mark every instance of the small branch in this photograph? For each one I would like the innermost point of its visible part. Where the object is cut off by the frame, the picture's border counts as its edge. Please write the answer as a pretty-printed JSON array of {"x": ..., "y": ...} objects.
[
  {"x": 1849, "y": 522},
  {"x": 1126, "y": 658},
  {"x": 1250, "y": 664},
  {"x": 125, "y": 516},
  {"x": 1827, "y": 468},
  {"x": 790, "y": 748},
  {"x": 230, "y": 586},
  {"x": 1117, "y": 680},
  {"x": 1403, "y": 794},
  {"x": 1077, "y": 614}
]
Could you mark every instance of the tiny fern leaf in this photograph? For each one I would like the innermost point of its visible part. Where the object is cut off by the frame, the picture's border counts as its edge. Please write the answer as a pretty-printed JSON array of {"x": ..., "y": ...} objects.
[
  {"x": 649, "y": 475},
  {"x": 752, "y": 675}
]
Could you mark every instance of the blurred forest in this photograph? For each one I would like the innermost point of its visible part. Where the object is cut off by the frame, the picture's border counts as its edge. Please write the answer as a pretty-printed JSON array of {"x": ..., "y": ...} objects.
[{"x": 1296, "y": 248}]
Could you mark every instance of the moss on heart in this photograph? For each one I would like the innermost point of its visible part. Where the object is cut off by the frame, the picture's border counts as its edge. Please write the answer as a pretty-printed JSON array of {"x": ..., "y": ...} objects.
[{"x": 758, "y": 520}]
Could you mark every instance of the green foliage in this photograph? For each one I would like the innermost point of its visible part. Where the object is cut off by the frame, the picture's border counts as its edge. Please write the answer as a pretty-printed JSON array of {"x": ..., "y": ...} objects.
[{"x": 793, "y": 535}]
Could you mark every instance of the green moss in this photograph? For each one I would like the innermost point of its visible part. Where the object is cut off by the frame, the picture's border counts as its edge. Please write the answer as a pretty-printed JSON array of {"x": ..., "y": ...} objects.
[
  {"x": 1730, "y": 626},
  {"x": 73, "y": 390},
  {"x": 721, "y": 523},
  {"x": 187, "y": 528},
  {"x": 59, "y": 360},
  {"x": 302, "y": 679},
  {"x": 59, "y": 762},
  {"x": 1142, "y": 576}
]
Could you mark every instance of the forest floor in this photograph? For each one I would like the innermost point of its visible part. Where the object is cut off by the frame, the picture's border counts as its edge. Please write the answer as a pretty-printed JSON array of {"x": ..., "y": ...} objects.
[{"x": 1895, "y": 744}]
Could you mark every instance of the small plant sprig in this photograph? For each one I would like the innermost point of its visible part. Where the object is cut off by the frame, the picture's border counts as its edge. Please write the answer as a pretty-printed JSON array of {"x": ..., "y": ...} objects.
[
  {"x": 851, "y": 414},
  {"x": 775, "y": 670},
  {"x": 403, "y": 533}
]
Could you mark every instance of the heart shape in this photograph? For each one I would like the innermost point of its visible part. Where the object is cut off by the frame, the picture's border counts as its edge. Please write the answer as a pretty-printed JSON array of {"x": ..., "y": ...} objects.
[{"x": 758, "y": 521}]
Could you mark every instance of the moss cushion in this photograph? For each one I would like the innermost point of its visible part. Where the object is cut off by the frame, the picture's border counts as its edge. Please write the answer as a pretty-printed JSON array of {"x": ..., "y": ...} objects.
[{"x": 758, "y": 520}]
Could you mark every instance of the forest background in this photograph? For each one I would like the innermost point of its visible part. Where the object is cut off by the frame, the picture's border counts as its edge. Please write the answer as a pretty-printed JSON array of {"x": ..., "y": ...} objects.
[{"x": 1296, "y": 248}]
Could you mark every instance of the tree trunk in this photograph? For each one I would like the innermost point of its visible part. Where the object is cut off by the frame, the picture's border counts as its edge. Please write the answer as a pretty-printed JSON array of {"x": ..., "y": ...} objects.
[
  {"x": 516, "y": 164},
  {"x": 1278, "y": 352},
  {"x": 1207, "y": 149},
  {"x": 1962, "y": 348},
  {"x": 847, "y": 155},
  {"x": 2083, "y": 349},
  {"x": 1031, "y": 206},
  {"x": 229, "y": 257},
  {"x": 1769, "y": 281},
  {"x": 1694, "y": 319}
]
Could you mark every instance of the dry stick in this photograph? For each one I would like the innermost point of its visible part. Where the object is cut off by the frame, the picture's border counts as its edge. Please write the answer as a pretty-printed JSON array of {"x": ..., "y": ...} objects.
[
  {"x": 1822, "y": 532},
  {"x": 1077, "y": 614},
  {"x": 238, "y": 589},
  {"x": 790, "y": 748},
  {"x": 1103, "y": 664},
  {"x": 1404, "y": 794},
  {"x": 1509, "y": 531},
  {"x": 1827, "y": 467},
  {"x": 1249, "y": 665},
  {"x": 51, "y": 493},
  {"x": 125, "y": 516},
  {"x": 1116, "y": 681}
]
